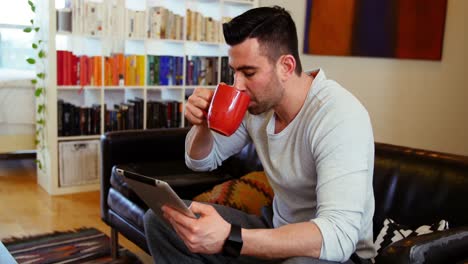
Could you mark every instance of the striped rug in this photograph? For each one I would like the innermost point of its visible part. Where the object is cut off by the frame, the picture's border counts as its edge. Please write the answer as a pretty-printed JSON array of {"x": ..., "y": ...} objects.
[{"x": 84, "y": 245}]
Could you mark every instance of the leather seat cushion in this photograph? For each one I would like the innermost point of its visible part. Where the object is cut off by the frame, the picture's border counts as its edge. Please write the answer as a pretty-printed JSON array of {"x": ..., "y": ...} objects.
[{"x": 125, "y": 208}]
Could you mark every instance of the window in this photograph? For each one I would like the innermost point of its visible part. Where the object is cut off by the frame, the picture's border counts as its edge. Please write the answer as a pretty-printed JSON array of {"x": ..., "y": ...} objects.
[{"x": 15, "y": 45}]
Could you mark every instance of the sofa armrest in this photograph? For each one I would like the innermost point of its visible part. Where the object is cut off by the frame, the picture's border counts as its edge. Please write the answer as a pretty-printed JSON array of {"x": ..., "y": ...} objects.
[
  {"x": 120, "y": 147},
  {"x": 447, "y": 246}
]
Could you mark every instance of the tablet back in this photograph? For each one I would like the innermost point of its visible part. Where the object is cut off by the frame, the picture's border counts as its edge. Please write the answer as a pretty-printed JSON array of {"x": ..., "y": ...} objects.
[{"x": 155, "y": 193}]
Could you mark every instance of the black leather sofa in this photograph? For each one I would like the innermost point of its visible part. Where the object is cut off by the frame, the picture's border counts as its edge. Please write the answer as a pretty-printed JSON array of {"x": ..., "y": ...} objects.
[{"x": 412, "y": 186}]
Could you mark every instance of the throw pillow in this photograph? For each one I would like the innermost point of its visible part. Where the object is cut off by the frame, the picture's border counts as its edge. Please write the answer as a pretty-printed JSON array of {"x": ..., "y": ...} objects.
[
  {"x": 392, "y": 232},
  {"x": 249, "y": 193}
]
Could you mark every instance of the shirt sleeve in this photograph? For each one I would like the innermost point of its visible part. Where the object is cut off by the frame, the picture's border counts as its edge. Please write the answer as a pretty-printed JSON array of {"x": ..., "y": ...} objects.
[
  {"x": 223, "y": 148},
  {"x": 344, "y": 162}
]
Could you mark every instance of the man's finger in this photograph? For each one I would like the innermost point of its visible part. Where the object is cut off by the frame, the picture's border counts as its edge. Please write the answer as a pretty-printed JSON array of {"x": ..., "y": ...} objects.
[
  {"x": 200, "y": 208},
  {"x": 204, "y": 93},
  {"x": 178, "y": 217}
]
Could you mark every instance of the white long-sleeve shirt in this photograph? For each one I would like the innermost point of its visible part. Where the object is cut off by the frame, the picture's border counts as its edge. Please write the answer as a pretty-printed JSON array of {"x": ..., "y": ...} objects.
[{"x": 320, "y": 166}]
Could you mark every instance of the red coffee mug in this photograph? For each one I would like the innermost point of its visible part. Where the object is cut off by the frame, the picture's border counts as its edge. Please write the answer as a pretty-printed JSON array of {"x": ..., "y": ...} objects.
[{"x": 227, "y": 109}]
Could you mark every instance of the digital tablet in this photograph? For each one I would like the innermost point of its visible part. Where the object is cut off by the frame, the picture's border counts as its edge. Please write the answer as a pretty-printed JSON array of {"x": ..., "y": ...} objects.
[{"x": 155, "y": 193}]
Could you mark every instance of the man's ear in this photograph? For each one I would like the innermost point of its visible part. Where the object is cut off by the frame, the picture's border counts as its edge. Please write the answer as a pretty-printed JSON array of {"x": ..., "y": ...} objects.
[{"x": 287, "y": 66}]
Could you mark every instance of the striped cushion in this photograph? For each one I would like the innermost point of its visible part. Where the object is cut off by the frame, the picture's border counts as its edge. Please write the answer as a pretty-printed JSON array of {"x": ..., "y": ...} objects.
[
  {"x": 393, "y": 232},
  {"x": 249, "y": 193}
]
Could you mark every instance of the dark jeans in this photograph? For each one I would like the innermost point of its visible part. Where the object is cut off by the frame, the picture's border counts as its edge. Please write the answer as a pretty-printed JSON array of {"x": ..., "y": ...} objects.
[{"x": 166, "y": 246}]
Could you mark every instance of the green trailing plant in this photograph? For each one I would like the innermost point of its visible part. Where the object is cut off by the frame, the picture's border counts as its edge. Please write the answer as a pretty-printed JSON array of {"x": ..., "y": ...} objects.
[{"x": 39, "y": 83}]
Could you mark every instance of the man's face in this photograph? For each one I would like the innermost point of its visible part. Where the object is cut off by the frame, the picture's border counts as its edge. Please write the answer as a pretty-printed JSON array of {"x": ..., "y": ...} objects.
[{"x": 255, "y": 74}]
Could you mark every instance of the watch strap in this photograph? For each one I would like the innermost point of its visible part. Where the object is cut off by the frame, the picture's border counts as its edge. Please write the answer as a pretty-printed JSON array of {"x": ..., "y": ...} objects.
[{"x": 233, "y": 244}]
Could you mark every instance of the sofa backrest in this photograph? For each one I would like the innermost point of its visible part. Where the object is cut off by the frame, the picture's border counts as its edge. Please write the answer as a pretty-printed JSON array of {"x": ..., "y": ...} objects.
[
  {"x": 411, "y": 186},
  {"x": 415, "y": 187}
]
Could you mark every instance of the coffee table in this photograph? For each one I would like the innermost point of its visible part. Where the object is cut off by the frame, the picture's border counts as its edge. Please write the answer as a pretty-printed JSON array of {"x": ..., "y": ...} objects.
[{"x": 5, "y": 256}]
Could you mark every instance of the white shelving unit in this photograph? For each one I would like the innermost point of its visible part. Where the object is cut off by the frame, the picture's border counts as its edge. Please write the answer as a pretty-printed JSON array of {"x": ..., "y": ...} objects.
[{"x": 108, "y": 42}]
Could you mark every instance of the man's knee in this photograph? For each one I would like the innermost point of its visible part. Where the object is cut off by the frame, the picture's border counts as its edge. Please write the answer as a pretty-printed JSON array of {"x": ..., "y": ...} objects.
[{"x": 149, "y": 219}]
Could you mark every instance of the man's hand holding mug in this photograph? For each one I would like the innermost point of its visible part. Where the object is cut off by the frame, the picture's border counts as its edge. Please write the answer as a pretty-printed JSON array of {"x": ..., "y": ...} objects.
[{"x": 223, "y": 109}]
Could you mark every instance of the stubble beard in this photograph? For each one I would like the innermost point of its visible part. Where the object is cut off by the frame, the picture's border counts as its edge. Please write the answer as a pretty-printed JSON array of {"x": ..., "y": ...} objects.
[{"x": 268, "y": 102}]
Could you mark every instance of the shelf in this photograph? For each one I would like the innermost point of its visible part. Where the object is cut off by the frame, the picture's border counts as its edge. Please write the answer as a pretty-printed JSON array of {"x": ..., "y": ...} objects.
[
  {"x": 74, "y": 35},
  {"x": 164, "y": 87},
  {"x": 69, "y": 138},
  {"x": 238, "y": 2},
  {"x": 118, "y": 88},
  {"x": 73, "y": 57},
  {"x": 200, "y": 86},
  {"x": 77, "y": 87},
  {"x": 207, "y": 43}
]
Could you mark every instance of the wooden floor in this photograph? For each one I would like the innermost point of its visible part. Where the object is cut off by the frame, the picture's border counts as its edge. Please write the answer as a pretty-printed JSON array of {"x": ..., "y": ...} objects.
[{"x": 26, "y": 209}]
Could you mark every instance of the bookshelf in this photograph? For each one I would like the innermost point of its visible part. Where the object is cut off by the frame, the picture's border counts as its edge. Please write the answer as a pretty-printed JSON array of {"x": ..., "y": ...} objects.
[{"x": 109, "y": 72}]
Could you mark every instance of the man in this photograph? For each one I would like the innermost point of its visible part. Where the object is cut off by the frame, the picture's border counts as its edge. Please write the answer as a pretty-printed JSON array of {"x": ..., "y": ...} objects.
[{"x": 315, "y": 142}]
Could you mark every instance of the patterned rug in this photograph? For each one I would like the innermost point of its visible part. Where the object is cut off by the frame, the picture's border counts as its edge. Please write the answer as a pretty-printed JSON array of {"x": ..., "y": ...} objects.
[{"x": 84, "y": 245}]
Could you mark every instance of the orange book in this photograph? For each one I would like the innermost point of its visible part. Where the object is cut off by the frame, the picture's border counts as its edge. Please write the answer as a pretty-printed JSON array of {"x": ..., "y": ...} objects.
[
  {"x": 108, "y": 71},
  {"x": 84, "y": 70},
  {"x": 97, "y": 73},
  {"x": 114, "y": 74},
  {"x": 91, "y": 70},
  {"x": 120, "y": 60}
]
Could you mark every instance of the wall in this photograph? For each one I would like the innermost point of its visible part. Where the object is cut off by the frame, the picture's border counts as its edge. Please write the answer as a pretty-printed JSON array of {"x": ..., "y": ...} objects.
[{"x": 415, "y": 103}]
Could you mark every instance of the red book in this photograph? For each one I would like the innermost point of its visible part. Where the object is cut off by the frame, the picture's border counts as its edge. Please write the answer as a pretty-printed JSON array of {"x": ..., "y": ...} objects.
[
  {"x": 84, "y": 70},
  {"x": 67, "y": 67},
  {"x": 60, "y": 63},
  {"x": 74, "y": 69}
]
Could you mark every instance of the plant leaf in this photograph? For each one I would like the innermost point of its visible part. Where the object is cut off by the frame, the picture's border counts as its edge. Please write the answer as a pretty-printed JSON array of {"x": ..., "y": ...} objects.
[
  {"x": 40, "y": 108},
  {"x": 32, "y": 21},
  {"x": 27, "y": 30},
  {"x": 38, "y": 92},
  {"x": 41, "y": 75},
  {"x": 40, "y": 122},
  {"x": 34, "y": 81},
  {"x": 37, "y": 29},
  {"x": 34, "y": 46},
  {"x": 40, "y": 41},
  {"x": 31, "y": 61},
  {"x": 41, "y": 54}
]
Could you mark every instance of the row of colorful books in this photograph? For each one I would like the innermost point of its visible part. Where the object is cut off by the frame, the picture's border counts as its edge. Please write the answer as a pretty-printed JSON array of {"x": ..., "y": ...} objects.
[
  {"x": 202, "y": 70},
  {"x": 165, "y": 70},
  {"x": 129, "y": 70},
  {"x": 119, "y": 69}
]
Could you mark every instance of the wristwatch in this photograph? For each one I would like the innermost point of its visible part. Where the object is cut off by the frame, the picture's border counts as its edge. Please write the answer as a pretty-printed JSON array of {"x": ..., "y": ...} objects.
[{"x": 233, "y": 245}]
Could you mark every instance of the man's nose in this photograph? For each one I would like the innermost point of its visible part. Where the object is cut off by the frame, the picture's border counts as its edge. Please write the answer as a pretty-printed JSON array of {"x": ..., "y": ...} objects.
[{"x": 239, "y": 82}]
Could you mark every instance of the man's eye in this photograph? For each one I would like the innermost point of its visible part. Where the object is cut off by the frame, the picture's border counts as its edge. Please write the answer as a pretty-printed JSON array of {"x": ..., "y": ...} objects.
[{"x": 249, "y": 74}]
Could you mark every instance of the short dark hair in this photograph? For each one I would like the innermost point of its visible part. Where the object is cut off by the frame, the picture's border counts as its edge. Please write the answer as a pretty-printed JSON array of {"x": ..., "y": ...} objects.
[{"x": 272, "y": 26}]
